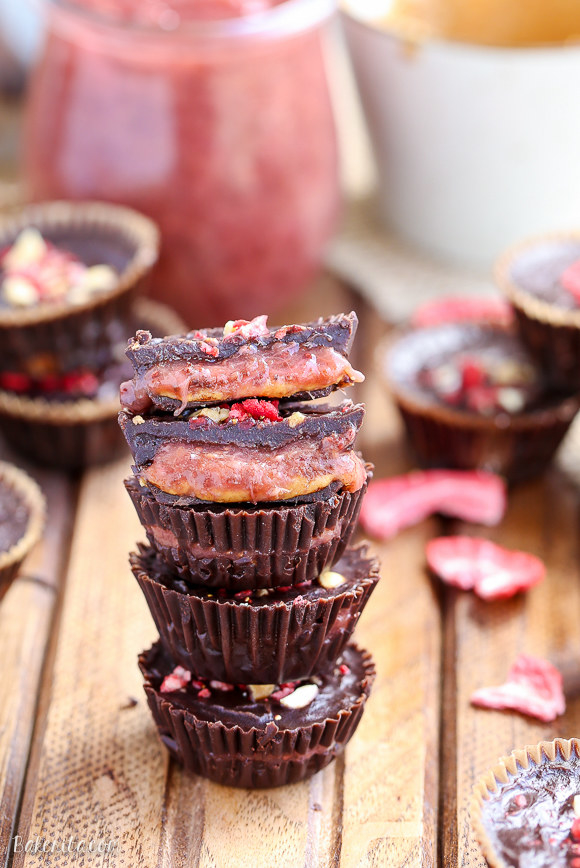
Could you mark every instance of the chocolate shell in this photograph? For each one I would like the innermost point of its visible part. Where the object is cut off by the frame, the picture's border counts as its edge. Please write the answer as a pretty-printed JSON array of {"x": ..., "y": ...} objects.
[
  {"x": 547, "y": 315},
  {"x": 518, "y": 446},
  {"x": 60, "y": 337},
  {"x": 27, "y": 510},
  {"x": 237, "y": 548},
  {"x": 70, "y": 435},
  {"x": 242, "y": 743},
  {"x": 335, "y": 332},
  {"x": 259, "y": 639}
]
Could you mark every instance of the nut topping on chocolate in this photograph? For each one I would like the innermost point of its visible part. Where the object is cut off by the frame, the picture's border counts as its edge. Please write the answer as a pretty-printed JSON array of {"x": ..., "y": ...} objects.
[
  {"x": 329, "y": 579},
  {"x": 261, "y": 691},
  {"x": 301, "y": 697}
]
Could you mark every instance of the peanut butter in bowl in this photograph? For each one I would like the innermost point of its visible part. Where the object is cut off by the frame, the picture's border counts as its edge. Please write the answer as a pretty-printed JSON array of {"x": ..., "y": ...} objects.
[{"x": 502, "y": 23}]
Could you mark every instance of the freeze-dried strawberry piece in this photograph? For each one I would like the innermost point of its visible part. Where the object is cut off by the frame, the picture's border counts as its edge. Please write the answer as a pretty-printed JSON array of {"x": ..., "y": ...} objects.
[
  {"x": 247, "y": 328},
  {"x": 255, "y": 408},
  {"x": 570, "y": 279},
  {"x": 533, "y": 687},
  {"x": 12, "y": 381},
  {"x": 462, "y": 309},
  {"x": 473, "y": 374},
  {"x": 477, "y": 564},
  {"x": 176, "y": 680},
  {"x": 396, "y": 503}
]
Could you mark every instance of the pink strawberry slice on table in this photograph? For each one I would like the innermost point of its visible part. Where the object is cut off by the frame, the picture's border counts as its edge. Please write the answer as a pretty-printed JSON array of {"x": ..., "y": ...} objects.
[
  {"x": 462, "y": 309},
  {"x": 570, "y": 279},
  {"x": 533, "y": 687},
  {"x": 490, "y": 570},
  {"x": 393, "y": 504}
]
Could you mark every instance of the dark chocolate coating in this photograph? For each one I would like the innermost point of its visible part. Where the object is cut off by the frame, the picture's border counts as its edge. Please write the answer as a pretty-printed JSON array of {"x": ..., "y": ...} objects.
[
  {"x": 235, "y": 741},
  {"x": 144, "y": 439},
  {"x": 518, "y": 446},
  {"x": 537, "y": 833},
  {"x": 538, "y": 270},
  {"x": 281, "y": 636},
  {"x": 245, "y": 546},
  {"x": 144, "y": 351},
  {"x": 14, "y": 517}
]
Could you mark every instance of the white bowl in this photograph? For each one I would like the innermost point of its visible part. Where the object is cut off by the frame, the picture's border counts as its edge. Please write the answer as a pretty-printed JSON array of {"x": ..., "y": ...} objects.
[{"x": 476, "y": 147}]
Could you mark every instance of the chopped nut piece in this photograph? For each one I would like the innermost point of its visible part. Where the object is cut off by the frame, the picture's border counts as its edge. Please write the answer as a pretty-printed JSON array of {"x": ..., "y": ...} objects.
[
  {"x": 28, "y": 248},
  {"x": 97, "y": 277},
  {"x": 329, "y": 579},
  {"x": 19, "y": 292},
  {"x": 229, "y": 327},
  {"x": 277, "y": 717},
  {"x": 261, "y": 592},
  {"x": 261, "y": 691},
  {"x": 512, "y": 400},
  {"x": 296, "y": 419},
  {"x": 138, "y": 420},
  {"x": 301, "y": 697}
]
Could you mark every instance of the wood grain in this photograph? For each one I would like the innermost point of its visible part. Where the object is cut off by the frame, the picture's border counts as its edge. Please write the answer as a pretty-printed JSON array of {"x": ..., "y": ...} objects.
[
  {"x": 26, "y": 617},
  {"x": 542, "y": 518}
]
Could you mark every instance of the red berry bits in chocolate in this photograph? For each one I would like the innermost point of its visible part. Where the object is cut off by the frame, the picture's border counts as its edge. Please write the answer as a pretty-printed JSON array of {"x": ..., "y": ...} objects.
[
  {"x": 533, "y": 687},
  {"x": 34, "y": 271},
  {"x": 393, "y": 504},
  {"x": 492, "y": 571}
]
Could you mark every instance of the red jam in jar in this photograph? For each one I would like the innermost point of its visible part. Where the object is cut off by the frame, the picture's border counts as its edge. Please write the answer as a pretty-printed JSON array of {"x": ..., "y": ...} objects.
[{"x": 211, "y": 116}]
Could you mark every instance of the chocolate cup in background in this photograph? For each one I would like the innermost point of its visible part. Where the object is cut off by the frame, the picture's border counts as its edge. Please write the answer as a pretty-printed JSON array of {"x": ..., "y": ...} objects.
[
  {"x": 507, "y": 769},
  {"x": 550, "y": 332},
  {"x": 253, "y": 547},
  {"x": 518, "y": 446},
  {"x": 29, "y": 492},
  {"x": 255, "y": 758},
  {"x": 70, "y": 435},
  {"x": 260, "y": 642},
  {"x": 56, "y": 338}
]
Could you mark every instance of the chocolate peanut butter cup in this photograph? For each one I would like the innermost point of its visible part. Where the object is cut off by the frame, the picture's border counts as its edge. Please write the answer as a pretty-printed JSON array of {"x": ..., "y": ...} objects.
[
  {"x": 22, "y": 515},
  {"x": 227, "y": 733},
  {"x": 541, "y": 279},
  {"x": 472, "y": 397},
  {"x": 526, "y": 810},
  {"x": 257, "y": 636},
  {"x": 43, "y": 332},
  {"x": 236, "y": 457},
  {"x": 243, "y": 546},
  {"x": 73, "y": 432},
  {"x": 242, "y": 360}
]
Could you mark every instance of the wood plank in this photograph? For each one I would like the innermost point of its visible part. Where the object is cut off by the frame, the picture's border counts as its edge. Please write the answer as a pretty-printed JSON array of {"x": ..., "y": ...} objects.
[
  {"x": 26, "y": 617},
  {"x": 542, "y": 518}
]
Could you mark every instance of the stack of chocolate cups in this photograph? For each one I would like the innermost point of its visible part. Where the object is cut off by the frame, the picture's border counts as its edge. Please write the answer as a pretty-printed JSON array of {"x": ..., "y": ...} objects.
[{"x": 249, "y": 493}]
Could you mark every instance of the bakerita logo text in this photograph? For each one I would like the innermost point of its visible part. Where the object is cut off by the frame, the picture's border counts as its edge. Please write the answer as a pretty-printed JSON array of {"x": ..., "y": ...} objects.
[{"x": 70, "y": 844}]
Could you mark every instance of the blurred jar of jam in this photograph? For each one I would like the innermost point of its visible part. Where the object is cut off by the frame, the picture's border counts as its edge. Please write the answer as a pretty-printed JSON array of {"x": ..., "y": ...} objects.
[{"x": 211, "y": 116}]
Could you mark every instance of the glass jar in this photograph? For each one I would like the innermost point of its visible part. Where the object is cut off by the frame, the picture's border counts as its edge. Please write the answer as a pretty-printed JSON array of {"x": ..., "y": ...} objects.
[{"x": 221, "y": 130}]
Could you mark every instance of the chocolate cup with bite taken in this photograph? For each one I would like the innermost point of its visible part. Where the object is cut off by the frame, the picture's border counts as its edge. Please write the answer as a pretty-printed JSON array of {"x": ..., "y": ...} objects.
[
  {"x": 244, "y": 546},
  {"x": 547, "y": 313},
  {"x": 238, "y": 741},
  {"x": 22, "y": 516},
  {"x": 517, "y": 444},
  {"x": 71, "y": 434},
  {"x": 523, "y": 809},
  {"x": 258, "y": 638},
  {"x": 211, "y": 366},
  {"x": 57, "y": 337}
]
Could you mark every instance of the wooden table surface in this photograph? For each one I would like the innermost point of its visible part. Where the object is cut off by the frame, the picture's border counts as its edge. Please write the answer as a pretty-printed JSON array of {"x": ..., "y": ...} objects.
[{"x": 79, "y": 755}]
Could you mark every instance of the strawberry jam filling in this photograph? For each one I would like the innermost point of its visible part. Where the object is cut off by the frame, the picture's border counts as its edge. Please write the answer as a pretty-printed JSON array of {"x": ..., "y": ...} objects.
[
  {"x": 230, "y": 474},
  {"x": 278, "y": 371}
]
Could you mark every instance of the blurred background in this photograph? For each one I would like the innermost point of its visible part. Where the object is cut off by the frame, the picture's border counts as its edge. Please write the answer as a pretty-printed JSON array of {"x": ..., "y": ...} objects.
[{"x": 452, "y": 131}]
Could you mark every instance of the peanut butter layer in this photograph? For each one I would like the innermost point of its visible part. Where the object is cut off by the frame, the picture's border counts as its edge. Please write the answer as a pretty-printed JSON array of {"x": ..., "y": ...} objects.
[
  {"x": 211, "y": 367},
  {"x": 228, "y": 474},
  {"x": 276, "y": 372}
]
